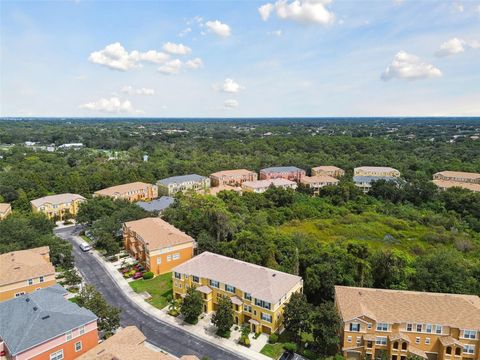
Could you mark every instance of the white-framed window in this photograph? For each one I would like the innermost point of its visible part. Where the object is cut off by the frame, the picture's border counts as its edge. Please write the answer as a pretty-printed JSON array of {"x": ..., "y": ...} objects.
[
  {"x": 427, "y": 341},
  {"x": 469, "y": 334},
  {"x": 358, "y": 340},
  {"x": 229, "y": 288},
  {"x": 30, "y": 281},
  {"x": 417, "y": 340},
  {"x": 349, "y": 339},
  {"x": 69, "y": 336},
  {"x": 267, "y": 317},
  {"x": 409, "y": 327},
  {"x": 81, "y": 330},
  {"x": 195, "y": 279},
  {"x": 247, "y": 296},
  {"x": 178, "y": 275},
  {"x": 419, "y": 327},
  {"x": 469, "y": 349},
  {"x": 78, "y": 346},
  {"x": 428, "y": 328},
  {"x": 41, "y": 279},
  {"x": 355, "y": 327},
  {"x": 369, "y": 326},
  {"x": 382, "y": 327},
  {"x": 176, "y": 256},
  {"x": 438, "y": 329},
  {"x": 169, "y": 257},
  {"x": 381, "y": 340},
  {"x": 57, "y": 355},
  {"x": 159, "y": 260},
  {"x": 214, "y": 283},
  {"x": 247, "y": 308}
]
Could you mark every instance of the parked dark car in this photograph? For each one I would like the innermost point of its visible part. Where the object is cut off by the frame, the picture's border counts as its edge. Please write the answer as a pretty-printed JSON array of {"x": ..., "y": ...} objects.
[{"x": 287, "y": 355}]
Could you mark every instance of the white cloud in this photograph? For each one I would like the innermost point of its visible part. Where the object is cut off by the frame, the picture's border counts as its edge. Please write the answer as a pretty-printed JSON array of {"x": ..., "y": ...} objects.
[
  {"x": 304, "y": 11},
  {"x": 114, "y": 56},
  {"x": 219, "y": 28},
  {"x": 176, "y": 49},
  {"x": 171, "y": 67},
  {"x": 451, "y": 47},
  {"x": 113, "y": 105},
  {"x": 458, "y": 7},
  {"x": 228, "y": 86},
  {"x": 409, "y": 67},
  {"x": 140, "y": 91},
  {"x": 230, "y": 104},
  {"x": 276, "y": 33},
  {"x": 194, "y": 63},
  {"x": 185, "y": 32}
]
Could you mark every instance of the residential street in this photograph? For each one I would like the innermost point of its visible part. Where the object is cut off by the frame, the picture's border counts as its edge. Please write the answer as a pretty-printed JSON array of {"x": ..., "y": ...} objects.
[{"x": 159, "y": 333}]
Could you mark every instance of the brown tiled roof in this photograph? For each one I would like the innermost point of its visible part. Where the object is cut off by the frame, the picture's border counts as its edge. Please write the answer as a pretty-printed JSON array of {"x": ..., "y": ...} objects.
[
  {"x": 397, "y": 306},
  {"x": 318, "y": 179},
  {"x": 261, "y": 282},
  {"x": 22, "y": 265},
  {"x": 459, "y": 174},
  {"x": 123, "y": 189},
  {"x": 126, "y": 344},
  {"x": 4, "y": 207},
  {"x": 57, "y": 199},
  {"x": 326, "y": 168},
  {"x": 216, "y": 189},
  {"x": 448, "y": 341},
  {"x": 416, "y": 351},
  {"x": 236, "y": 172},
  {"x": 259, "y": 184},
  {"x": 399, "y": 336},
  {"x": 157, "y": 233},
  {"x": 446, "y": 184}
]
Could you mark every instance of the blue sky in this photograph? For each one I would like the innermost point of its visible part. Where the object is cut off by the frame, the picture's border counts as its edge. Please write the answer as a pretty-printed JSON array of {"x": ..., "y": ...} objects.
[{"x": 240, "y": 58}]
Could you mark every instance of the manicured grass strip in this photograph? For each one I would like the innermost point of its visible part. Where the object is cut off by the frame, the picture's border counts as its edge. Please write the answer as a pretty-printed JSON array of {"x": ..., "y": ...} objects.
[
  {"x": 160, "y": 288},
  {"x": 272, "y": 350}
]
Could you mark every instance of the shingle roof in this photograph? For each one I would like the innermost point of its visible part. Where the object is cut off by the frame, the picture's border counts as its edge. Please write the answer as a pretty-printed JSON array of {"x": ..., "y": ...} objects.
[
  {"x": 57, "y": 199},
  {"x": 236, "y": 172},
  {"x": 181, "y": 179},
  {"x": 30, "y": 320},
  {"x": 459, "y": 174},
  {"x": 318, "y": 179},
  {"x": 281, "y": 169},
  {"x": 157, "y": 233},
  {"x": 4, "y": 207},
  {"x": 259, "y": 184},
  {"x": 156, "y": 205},
  {"x": 397, "y": 306},
  {"x": 261, "y": 282},
  {"x": 123, "y": 188},
  {"x": 22, "y": 265},
  {"x": 375, "y": 168},
  {"x": 326, "y": 168},
  {"x": 446, "y": 184},
  {"x": 126, "y": 344}
]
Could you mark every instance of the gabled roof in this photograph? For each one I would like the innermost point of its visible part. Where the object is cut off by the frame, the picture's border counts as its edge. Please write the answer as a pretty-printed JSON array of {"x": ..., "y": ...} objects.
[
  {"x": 260, "y": 184},
  {"x": 157, "y": 233},
  {"x": 236, "y": 172},
  {"x": 156, "y": 205},
  {"x": 181, "y": 179},
  {"x": 22, "y": 265},
  {"x": 123, "y": 188},
  {"x": 30, "y": 320},
  {"x": 375, "y": 168},
  {"x": 399, "y": 306},
  {"x": 57, "y": 199},
  {"x": 459, "y": 174},
  {"x": 261, "y": 282},
  {"x": 281, "y": 169},
  {"x": 327, "y": 168},
  {"x": 446, "y": 184},
  {"x": 4, "y": 207},
  {"x": 318, "y": 179}
]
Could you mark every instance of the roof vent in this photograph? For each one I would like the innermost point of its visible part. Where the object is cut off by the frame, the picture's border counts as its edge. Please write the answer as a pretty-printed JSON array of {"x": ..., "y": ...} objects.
[
  {"x": 27, "y": 299},
  {"x": 35, "y": 308},
  {"x": 16, "y": 268},
  {"x": 274, "y": 275},
  {"x": 45, "y": 317}
]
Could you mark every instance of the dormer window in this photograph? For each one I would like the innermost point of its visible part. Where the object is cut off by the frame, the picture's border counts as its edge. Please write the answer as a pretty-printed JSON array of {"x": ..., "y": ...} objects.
[
  {"x": 419, "y": 327},
  {"x": 409, "y": 327},
  {"x": 428, "y": 328},
  {"x": 355, "y": 327},
  {"x": 438, "y": 329}
]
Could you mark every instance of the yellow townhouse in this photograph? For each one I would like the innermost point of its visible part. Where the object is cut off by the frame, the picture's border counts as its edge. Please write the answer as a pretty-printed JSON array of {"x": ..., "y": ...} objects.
[
  {"x": 58, "y": 206},
  {"x": 332, "y": 171},
  {"x": 136, "y": 191},
  {"x": 5, "y": 210},
  {"x": 258, "y": 294},
  {"x": 24, "y": 271},
  {"x": 465, "y": 180},
  {"x": 315, "y": 183},
  {"x": 157, "y": 245},
  {"x": 396, "y": 324}
]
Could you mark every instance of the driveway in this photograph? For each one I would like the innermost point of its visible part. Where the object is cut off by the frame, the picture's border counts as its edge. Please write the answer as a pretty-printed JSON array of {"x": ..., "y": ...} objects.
[{"x": 158, "y": 333}]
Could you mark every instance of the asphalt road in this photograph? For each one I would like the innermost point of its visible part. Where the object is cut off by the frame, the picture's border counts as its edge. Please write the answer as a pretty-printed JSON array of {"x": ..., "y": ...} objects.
[{"x": 158, "y": 333}]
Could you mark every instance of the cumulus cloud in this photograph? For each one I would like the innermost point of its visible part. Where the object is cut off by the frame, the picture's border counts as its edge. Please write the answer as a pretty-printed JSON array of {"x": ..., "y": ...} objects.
[
  {"x": 229, "y": 86},
  {"x": 171, "y": 67},
  {"x": 185, "y": 32},
  {"x": 194, "y": 63},
  {"x": 176, "y": 49},
  {"x": 140, "y": 91},
  {"x": 114, "y": 105},
  {"x": 219, "y": 28},
  {"x": 458, "y": 7},
  {"x": 114, "y": 56},
  {"x": 304, "y": 11},
  {"x": 451, "y": 47},
  {"x": 409, "y": 67},
  {"x": 230, "y": 104}
]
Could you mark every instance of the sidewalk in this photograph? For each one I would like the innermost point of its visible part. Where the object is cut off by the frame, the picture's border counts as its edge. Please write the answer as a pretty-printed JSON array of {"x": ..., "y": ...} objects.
[{"x": 162, "y": 316}]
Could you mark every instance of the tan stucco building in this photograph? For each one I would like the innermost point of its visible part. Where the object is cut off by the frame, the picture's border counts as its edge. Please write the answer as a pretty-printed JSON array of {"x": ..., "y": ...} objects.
[
  {"x": 5, "y": 210},
  {"x": 465, "y": 180},
  {"x": 136, "y": 191},
  {"x": 332, "y": 171},
  {"x": 57, "y": 206}
]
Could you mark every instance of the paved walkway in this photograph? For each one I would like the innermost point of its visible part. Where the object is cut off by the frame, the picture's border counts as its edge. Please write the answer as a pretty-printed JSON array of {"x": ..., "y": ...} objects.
[{"x": 198, "y": 331}]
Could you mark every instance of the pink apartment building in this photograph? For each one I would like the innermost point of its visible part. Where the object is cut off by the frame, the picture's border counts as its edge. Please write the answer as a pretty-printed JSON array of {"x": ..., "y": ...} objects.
[{"x": 291, "y": 173}]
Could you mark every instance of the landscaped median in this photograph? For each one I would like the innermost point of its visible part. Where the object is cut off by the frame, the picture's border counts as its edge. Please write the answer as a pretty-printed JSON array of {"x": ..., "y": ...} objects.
[{"x": 159, "y": 288}]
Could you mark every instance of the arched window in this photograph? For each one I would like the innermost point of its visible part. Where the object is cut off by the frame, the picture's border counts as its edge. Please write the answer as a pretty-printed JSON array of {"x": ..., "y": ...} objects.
[
  {"x": 404, "y": 346},
  {"x": 449, "y": 350},
  {"x": 458, "y": 351},
  {"x": 395, "y": 345}
]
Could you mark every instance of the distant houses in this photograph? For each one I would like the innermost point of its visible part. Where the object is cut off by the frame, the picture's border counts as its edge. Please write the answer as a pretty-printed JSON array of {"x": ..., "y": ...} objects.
[
  {"x": 465, "y": 180},
  {"x": 291, "y": 173},
  {"x": 233, "y": 178},
  {"x": 25, "y": 271},
  {"x": 5, "y": 210},
  {"x": 332, "y": 171},
  {"x": 404, "y": 324},
  {"x": 315, "y": 183},
  {"x": 260, "y": 186},
  {"x": 258, "y": 294},
  {"x": 157, "y": 245},
  {"x": 44, "y": 325},
  {"x": 170, "y": 186},
  {"x": 364, "y": 176},
  {"x": 136, "y": 191},
  {"x": 58, "y": 206}
]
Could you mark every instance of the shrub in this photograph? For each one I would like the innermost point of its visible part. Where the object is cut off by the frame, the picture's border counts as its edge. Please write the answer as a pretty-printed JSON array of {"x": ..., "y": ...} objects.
[
  {"x": 148, "y": 275},
  {"x": 273, "y": 338},
  {"x": 244, "y": 340},
  {"x": 290, "y": 346}
]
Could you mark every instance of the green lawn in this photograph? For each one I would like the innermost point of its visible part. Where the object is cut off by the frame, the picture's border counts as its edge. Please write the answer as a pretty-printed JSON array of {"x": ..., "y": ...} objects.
[
  {"x": 86, "y": 239},
  {"x": 160, "y": 288},
  {"x": 74, "y": 299},
  {"x": 272, "y": 350}
]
